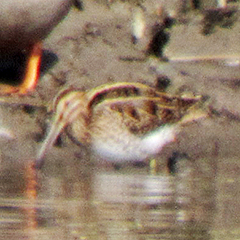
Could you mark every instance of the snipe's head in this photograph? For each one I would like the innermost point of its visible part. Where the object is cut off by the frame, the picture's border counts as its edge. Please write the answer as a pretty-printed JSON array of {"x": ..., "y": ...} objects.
[{"x": 67, "y": 106}]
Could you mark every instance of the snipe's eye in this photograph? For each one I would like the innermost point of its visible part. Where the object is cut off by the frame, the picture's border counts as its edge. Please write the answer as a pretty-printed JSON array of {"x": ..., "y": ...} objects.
[{"x": 61, "y": 96}]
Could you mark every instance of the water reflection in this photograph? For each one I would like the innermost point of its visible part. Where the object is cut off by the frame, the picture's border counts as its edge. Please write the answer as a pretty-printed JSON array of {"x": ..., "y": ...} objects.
[
  {"x": 155, "y": 207},
  {"x": 109, "y": 204}
]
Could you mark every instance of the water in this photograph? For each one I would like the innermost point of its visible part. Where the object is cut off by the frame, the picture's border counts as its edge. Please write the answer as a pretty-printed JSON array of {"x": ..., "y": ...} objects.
[{"x": 79, "y": 201}]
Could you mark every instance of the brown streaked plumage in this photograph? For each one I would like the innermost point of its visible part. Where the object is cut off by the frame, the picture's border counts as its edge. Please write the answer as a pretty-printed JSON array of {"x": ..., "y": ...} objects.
[{"x": 120, "y": 121}]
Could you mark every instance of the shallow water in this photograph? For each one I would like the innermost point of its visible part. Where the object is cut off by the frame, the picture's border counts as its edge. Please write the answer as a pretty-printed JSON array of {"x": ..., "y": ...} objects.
[{"x": 198, "y": 202}]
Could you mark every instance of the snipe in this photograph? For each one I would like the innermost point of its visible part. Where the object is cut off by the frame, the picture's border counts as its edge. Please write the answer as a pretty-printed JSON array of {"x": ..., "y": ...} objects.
[{"x": 120, "y": 121}]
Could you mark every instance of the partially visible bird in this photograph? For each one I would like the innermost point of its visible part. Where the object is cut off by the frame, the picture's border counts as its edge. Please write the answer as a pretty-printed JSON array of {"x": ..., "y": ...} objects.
[{"x": 23, "y": 25}]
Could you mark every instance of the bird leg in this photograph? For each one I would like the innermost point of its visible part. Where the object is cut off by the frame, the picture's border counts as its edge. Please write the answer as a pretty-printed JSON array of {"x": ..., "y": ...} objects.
[
  {"x": 31, "y": 74},
  {"x": 32, "y": 69}
]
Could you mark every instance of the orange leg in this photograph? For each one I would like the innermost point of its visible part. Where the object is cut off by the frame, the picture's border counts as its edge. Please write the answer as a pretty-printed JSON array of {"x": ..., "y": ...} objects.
[
  {"x": 30, "y": 79},
  {"x": 32, "y": 70}
]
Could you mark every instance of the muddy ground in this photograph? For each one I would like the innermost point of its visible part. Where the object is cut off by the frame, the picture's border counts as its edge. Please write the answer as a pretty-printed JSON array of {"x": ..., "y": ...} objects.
[{"x": 94, "y": 46}]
